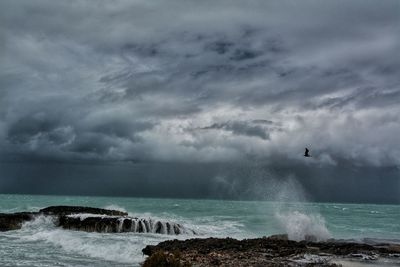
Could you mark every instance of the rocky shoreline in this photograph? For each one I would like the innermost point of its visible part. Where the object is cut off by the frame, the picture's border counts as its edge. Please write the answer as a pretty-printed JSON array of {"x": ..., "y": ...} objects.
[
  {"x": 90, "y": 219},
  {"x": 275, "y": 250},
  {"x": 268, "y": 251}
]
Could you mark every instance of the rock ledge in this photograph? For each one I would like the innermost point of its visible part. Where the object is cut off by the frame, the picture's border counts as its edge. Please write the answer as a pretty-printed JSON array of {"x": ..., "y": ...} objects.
[
  {"x": 93, "y": 220},
  {"x": 270, "y": 251}
]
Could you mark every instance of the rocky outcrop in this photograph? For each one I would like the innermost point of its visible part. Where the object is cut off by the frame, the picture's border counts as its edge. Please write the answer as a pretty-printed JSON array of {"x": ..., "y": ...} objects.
[
  {"x": 273, "y": 251},
  {"x": 65, "y": 210},
  {"x": 115, "y": 224},
  {"x": 93, "y": 220},
  {"x": 14, "y": 221}
]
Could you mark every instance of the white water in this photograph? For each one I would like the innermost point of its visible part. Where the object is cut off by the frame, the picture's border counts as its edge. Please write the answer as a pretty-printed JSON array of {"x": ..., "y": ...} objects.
[
  {"x": 145, "y": 225},
  {"x": 115, "y": 249},
  {"x": 299, "y": 225},
  {"x": 295, "y": 217},
  {"x": 40, "y": 243}
]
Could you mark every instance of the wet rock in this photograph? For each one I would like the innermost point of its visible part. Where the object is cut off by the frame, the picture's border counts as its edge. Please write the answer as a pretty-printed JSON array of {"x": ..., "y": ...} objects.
[
  {"x": 90, "y": 224},
  {"x": 276, "y": 250},
  {"x": 116, "y": 224},
  {"x": 65, "y": 210},
  {"x": 14, "y": 221},
  {"x": 366, "y": 257},
  {"x": 177, "y": 229},
  {"x": 159, "y": 227},
  {"x": 128, "y": 225},
  {"x": 93, "y": 220},
  {"x": 279, "y": 237},
  {"x": 311, "y": 238},
  {"x": 394, "y": 248}
]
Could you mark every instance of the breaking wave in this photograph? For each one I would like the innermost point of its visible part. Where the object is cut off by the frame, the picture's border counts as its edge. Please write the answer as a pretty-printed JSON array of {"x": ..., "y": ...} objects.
[
  {"x": 300, "y": 226},
  {"x": 107, "y": 248},
  {"x": 114, "y": 207}
]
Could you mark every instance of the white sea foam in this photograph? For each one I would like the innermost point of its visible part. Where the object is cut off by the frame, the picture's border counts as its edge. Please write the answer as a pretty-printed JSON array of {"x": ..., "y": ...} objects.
[
  {"x": 92, "y": 245},
  {"x": 114, "y": 207},
  {"x": 27, "y": 246},
  {"x": 311, "y": 259},
  {"x": 294, "y": 213},
  {"x": 298, "y": 225},
  {"x": 83, "y": 216},
  {"x": 148, "y": 225},
  {"x": 215, "y": 226},
  {"x": 114, "y": 248},
  {"x": 40, "y": 222}
]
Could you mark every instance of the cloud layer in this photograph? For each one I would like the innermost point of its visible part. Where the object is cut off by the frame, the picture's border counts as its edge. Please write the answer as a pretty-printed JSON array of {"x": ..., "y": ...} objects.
[{"x": 200, "y": 81}]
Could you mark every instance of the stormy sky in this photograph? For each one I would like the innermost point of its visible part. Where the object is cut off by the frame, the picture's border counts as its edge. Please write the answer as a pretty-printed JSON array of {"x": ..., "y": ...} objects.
[{"x": 200, "y": 98}]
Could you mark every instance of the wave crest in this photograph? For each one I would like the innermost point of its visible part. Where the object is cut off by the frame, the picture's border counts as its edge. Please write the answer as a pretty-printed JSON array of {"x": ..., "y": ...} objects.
[{"x": 299, "y": 225}]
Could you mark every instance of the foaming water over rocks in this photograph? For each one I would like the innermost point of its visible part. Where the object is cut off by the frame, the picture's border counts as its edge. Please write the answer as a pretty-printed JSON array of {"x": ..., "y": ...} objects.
[
  {"x": 101, "y": 240},
  {"x": 116, "y": 224},
  {"x": 293, "y": 212},
  {"x": 295, "y": 217},
  {"x": 91, "y": 219},
  {"x": 114, "y": 207},
  {"x": 83, "y": 248},
  {"x": 209, "y": 218},
  {"x": 300, "y": 226}
]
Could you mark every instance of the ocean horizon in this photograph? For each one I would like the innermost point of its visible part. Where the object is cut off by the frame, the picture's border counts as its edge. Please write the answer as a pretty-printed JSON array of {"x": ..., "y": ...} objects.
[
  {"x": 244, "y": 120},
  {"x": 40, "y": 243}
]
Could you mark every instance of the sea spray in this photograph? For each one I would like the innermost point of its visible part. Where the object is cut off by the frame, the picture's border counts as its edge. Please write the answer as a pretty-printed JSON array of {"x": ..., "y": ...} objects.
[
  {"x": 300, "y": 226},
  {"x": 114, "y": 207},
  {"x": 292, "y": 211},
  {"x": 299, "y": 220},
  {"x": 114, "y": 248},
  {"x": 30, "y": 245},
  {"x": 41, "y": 222},
  {"x": 110, "y": 249}
]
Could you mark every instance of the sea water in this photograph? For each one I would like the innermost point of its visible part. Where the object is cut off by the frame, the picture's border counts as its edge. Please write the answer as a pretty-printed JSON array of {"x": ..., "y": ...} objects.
[{"x": 40, "y": 243}]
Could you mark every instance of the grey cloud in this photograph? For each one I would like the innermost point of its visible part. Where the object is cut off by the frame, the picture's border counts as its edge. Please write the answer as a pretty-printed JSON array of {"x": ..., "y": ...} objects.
[
  {"x": 241, "y": 128},
  {"x": 263, "y": 122},
  {"x": 122, "y": 80},
  {"x": 25, "y": 128},
  {"x": 220, "y": 47},
  {"x": 121, "y": 128}
]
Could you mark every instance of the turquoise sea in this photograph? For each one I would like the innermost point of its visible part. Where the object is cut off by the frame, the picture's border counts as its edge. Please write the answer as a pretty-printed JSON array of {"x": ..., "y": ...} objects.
[{"x": 40, "y": 243}]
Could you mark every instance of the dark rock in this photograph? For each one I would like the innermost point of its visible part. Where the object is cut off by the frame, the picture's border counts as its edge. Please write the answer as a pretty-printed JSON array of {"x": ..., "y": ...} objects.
[
  {"x": 161, "y": 259},
  {"x": 279, "y": 237},
  {"x": 272, "y": 251},
  {"x": 177, "y": 229},
  {"x": 65, "y": 210},
  {"x": 90, "y": 224},
  {"x": 116, "y": 224},
  {"x": 140, "y": 227},
  {"x": 168, "y": 225},
  {"x": 310, "y": 238},
  {"x": 393, "y": 248},
  {"x": 159, "y": 227},
  {"x": 103, "y": 221},
  {"x": 127, "y": 225},
  {"x": 147, "y": 226},
  {"x": 14, "y": 221}
]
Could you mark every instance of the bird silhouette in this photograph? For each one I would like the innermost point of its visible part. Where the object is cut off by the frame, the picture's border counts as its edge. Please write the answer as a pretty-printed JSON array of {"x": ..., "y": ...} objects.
[{"x": 306, "y": 154}]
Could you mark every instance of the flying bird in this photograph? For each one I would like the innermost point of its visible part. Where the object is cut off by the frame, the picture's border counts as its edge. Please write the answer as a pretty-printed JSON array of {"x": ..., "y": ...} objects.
[{"x": 306, "y": 153}]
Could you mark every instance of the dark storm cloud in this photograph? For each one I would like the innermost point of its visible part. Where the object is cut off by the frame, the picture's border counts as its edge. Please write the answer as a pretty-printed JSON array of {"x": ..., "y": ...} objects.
[
  {"x": 135, "y": 80},
  {"x": 242, "y": 128}
]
